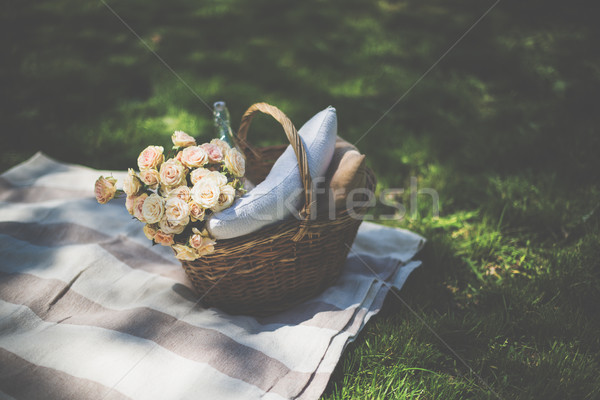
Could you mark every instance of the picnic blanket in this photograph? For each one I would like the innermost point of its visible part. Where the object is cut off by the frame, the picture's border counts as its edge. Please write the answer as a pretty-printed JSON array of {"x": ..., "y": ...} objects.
[{"x": 89, "y": 309}]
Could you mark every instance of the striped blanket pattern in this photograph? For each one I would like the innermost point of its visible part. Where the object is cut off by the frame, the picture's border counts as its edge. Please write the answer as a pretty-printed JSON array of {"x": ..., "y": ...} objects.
[{"x": 89, "y": 309}]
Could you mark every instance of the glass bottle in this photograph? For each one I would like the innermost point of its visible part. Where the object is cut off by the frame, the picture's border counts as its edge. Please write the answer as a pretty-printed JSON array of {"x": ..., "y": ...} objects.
[{"x": 222, "y": 123}]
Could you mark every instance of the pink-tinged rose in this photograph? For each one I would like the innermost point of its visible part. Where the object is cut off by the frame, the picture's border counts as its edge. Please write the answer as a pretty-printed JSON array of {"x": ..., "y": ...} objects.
[
  {"x": 235, "y": 163},
  {"x": 151, "y": 157},
  {"x": 206, "y": 193},
  {"x": 196, "y": 240},
  {"x": 132, "y": 185},
  {"x": 172, "y": 173},
  {"x": 178, "y": 156},
  {"x": 221, "y": 145},
  {"x": 177, "y": 211},
  {"x": 153, "y": 208},
  {"x": 163, "y": 238},
  {"x": 182, "y": 192},
  {"x": 105, "y": 189},
  {"x": 194, "y": 157},
  {"x": 150, "y": 177},
  {"x": 214, "y": 153},
  {"x": 138, "y": 204},
  {"x": 198, "y": 174},
  {"x": 171, "y": 227},
  {"x": 196, "y": 211},
  {"x": 182, "y": 139},
  {"x": 129, "y": 203},
  {"x": 150, "y": 231},
  {"x": 226, "y": 198},
  {"x": 217, "y": 178},
  {"x": 202, "y": 243},
  {"x": 184, "y": 253}
]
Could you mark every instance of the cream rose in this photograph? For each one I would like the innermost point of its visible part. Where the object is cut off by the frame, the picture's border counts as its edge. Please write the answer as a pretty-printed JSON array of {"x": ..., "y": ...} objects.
[
  {"x": 172, "y": 173},
  {"x": 198, "y": 174},
  {"x": 153, "y": 209},
  {"x": 105, "y": 189},
  {"x": 171, "y": 227},
  {"x": 150, "y": 177},
  {"x": 208, "y": 247},
  {"x": 196, "y": 211},
  {"x": 221, "y": 144},
  {"x": 194, "y": 157},
  {"x": 218, "y": 178},
  {"x": 226, "y": 198},
  {"x": 184, "y": 253},
  {"x": 182, "y": 192},
  {"x": 151, "y": 157},
  {"x": 150, "y": 231},
  {"x": 214, "y": 153},
  {"x": 132, "y": 185},
  {"x": 235, "y": 163},
  {"x": 177, "y": 211},
  {"x": 138, "y": 204},
  {"x": 206, "y": 193},
  {"x": 182, "y": 139},
  {"x": 163, "y": 238}
]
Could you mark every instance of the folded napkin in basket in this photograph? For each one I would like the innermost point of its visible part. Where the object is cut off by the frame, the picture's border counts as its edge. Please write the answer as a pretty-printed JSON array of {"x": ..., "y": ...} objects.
[
  {"x": 281, "y": 193},
  {"x": 346, "y": 172}
]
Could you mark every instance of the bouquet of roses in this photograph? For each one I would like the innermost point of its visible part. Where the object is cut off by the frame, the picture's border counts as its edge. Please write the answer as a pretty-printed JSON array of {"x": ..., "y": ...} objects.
[{"x": 174, "y": 197}]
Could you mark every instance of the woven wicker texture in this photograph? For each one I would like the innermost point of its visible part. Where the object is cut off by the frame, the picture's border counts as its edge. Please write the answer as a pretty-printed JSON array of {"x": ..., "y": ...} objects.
[{"x": 283, "y": 264}]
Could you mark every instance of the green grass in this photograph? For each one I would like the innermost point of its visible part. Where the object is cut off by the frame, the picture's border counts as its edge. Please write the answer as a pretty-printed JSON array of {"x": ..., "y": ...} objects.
[{"x": 504, "y": 128}]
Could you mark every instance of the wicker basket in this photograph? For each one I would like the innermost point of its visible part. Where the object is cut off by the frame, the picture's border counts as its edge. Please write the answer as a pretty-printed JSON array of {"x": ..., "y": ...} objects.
[{"x": 282, "y": 264}]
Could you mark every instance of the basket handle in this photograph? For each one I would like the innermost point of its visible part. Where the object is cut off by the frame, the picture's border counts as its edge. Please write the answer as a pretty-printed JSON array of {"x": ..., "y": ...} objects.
[{"x": 297, "y": 145}]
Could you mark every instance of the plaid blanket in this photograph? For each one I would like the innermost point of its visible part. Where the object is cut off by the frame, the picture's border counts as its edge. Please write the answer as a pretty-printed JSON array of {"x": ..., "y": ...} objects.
[{"x": 89, "y": 309}]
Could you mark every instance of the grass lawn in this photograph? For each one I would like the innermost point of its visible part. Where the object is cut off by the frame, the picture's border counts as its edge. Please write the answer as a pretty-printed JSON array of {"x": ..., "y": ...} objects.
[{"x": 505, "y": 128}]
